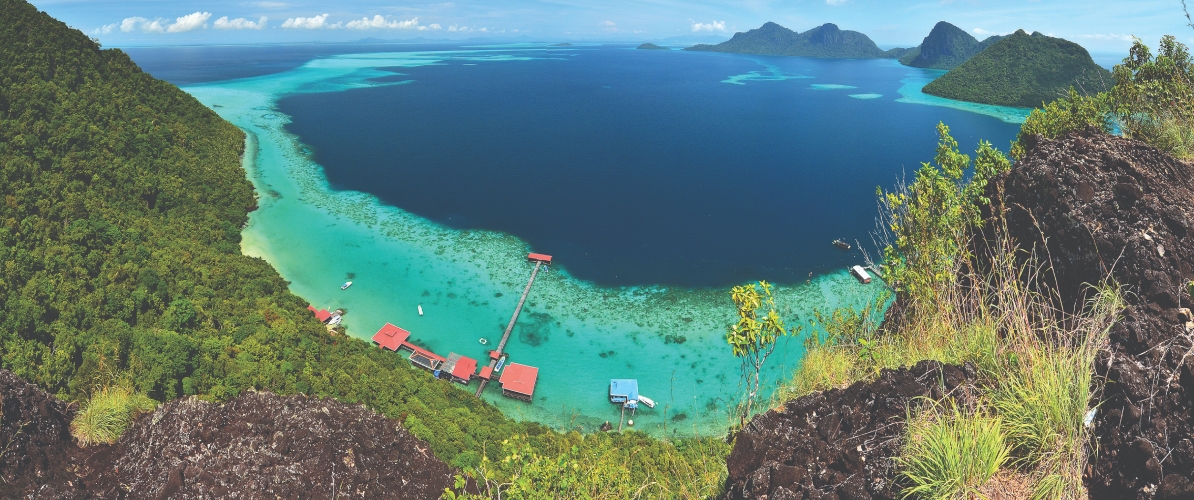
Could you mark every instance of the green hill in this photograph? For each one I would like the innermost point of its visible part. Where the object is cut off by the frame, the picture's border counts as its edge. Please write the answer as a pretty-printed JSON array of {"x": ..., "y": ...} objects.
[
  {"x": 823, "y": 41},
  {"x": 651, "y": 46},
  {"x": 1022, "y": 70},
  {"x": 121, "y": 210},
  {"x": 946, "y": 47}
]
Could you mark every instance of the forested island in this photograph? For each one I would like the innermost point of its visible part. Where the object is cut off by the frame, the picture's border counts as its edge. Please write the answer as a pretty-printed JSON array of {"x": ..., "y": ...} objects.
[
  {"x": 651, "y": 46},
  {"x": 946, "y": 47},
  {"x": 827, "y": 41},
  {"x": 1023, "y": 70}
]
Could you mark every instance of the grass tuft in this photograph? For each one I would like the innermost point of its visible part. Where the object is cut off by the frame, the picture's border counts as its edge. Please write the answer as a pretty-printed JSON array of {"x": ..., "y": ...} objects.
[
  {"x": 950, "y": 452},
  {"x": 108, "y": 414}
]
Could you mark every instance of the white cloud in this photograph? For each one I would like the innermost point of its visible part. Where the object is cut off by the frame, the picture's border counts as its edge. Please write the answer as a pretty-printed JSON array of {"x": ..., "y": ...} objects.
[
  {"x": 311, "y": 23},
  {"x": 1108, "y": 37},
  {"x": 432, "y": 26},
  {"x": 130, "y": 24},
  {"x": 464, "y": 29},
  {"x": 713, "y": 26},
  {"x": 105, "y": 29},
  {"x": 189, "y": 22},
  {"x": 379, "y": 22},
  {"x": 240, "y": 23},
  {"x": 609, "y": 24},
  {"x": 980, "y": 31}
]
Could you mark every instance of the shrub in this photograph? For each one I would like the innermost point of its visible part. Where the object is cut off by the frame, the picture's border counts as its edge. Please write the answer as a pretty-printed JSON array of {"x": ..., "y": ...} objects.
[
  {"x": 108, "y": 414},
  {"x": 1065, "y": 115}
]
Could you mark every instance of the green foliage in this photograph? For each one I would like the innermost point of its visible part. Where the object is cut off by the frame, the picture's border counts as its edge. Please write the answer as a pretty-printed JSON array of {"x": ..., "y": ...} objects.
[
  {"x": 121, "y": 207},
  {"x": 930, "y": 219},
  {"x": 1153, "y": 97},
  {"x": 753, "y": 337},
  {"x": 950, "y": 452},
  {"x": 1065, "y": 115},
  {"x": 596, "y": 467},
  {"x": 108, "y": 414},
  {"x": 1022, "y": 70}
]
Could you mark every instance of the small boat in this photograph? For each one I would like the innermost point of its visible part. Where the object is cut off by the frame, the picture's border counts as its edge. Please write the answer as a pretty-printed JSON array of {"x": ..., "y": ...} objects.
[
  {"x": 646, "y": 400},
  {"x": 336, "y": 318},
  {"x": 346, "y": 285},
  {"x": 500, "y": 362},
  {"x": 841, "y": 244},
  {"x": 420, "y": 309}
]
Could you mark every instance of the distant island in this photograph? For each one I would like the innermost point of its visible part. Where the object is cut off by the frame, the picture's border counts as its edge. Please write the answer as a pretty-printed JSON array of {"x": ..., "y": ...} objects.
[
  {"x": 651, "y": 46},
  {"x": 827, "y": 41},
  {"x": 946, "y": 47},
  {"x": 1022, "y": 70},
  {"x": 565, "y": 44}
]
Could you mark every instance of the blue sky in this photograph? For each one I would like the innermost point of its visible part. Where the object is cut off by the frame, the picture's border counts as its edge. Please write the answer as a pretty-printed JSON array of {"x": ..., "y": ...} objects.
[{"x": 1099, "y": 25}]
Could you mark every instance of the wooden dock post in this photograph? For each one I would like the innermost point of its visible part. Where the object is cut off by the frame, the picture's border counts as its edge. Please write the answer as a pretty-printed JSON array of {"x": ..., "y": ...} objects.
[{"x": 510, "y": 327}]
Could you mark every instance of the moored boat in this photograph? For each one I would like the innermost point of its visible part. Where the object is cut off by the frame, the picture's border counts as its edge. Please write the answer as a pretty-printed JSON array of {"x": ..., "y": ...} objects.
[
  {"x": 841, "y": 244},
  {"x": 346, "y": 285}
]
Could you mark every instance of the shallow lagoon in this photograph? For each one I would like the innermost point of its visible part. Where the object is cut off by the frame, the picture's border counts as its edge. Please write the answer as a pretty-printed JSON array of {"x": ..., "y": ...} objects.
[{"x": 579, "y": 334}]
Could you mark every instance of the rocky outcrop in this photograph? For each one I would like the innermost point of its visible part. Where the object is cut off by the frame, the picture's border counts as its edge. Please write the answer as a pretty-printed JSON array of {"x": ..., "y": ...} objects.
[
  {"x": 258, "y": 445},
  {"x": 1097, "y": 206},
  {"x": 36, "y": 449},
  {"x": 836, "y": 444}
]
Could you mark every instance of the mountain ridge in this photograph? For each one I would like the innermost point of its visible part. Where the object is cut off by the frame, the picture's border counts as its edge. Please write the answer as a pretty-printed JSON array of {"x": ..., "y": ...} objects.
[{"x": 825, "y": 41}]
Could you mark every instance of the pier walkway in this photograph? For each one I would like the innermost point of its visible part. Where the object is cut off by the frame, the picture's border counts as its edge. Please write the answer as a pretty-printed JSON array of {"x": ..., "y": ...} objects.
[{"x": 496, "y": 354}]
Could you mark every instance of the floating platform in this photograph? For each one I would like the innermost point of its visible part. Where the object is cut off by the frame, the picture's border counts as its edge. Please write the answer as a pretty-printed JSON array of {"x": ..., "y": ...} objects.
[{"x": 860, "y": 273}]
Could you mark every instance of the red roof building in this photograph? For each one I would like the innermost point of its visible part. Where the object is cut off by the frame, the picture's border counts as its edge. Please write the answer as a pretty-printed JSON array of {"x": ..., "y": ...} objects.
[
  {"x": 322, "y": 314},
  {"x": 518, "y": 381},
  {"x": 486, "y": 372},
  {"x": 544, "y": 258},
  {"x": 390, "y": 337},
  {"x": 460, "y": 368}
]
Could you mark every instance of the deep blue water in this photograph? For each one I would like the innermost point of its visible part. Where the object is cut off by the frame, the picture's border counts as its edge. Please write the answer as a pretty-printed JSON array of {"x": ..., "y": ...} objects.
[
  {"x": 631, "y": 167},
  {"x": 640, "y": 167}
]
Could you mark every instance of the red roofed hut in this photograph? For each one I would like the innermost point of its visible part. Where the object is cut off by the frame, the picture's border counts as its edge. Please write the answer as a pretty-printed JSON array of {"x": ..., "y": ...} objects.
[
  {"x": 518, "y": 381},
  {"x": 541, "y": 257},
  {"x": 460, "y": 368},
  {"x": 322, "y": 314},
  {"x": 390, "y": 337}
]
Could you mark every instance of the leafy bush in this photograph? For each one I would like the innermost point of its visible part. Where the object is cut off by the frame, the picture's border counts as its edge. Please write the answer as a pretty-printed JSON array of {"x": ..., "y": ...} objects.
[
  {"x": 1153, "y": 97},
  {"x": 1060, "y": 117},
  {"x": 105, "y": 417},
  {"x": 929, "y": 220}
]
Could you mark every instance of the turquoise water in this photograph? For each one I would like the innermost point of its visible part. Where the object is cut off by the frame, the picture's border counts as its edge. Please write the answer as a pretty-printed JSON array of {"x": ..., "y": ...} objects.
[{"x": 468, "y": 281}]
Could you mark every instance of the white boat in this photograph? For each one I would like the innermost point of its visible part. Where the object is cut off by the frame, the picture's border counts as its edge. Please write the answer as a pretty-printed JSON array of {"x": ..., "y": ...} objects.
[
  {"x": 646, "y": 400},
  {"x": 346, "y": 285},
  {"x": 420, "y": 309}
]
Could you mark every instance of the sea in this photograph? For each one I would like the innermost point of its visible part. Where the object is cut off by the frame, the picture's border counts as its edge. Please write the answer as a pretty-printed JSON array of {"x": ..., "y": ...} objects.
[{"x": 657, "y": 180}]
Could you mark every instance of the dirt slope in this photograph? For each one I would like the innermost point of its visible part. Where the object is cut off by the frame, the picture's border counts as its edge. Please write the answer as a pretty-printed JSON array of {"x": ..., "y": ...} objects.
[
  {"x": 258, "y": 445},
  {"x": 836, "y": 444},
  {"x": 1107, "y": 204}
]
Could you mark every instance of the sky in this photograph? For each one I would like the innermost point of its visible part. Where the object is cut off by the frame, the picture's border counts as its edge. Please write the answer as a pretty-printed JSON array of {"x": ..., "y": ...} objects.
[{"x": 1099, "y": 25}]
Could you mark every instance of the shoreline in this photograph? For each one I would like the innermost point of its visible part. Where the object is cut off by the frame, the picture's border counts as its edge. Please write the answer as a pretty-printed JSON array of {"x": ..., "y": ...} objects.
[{"x": 670, "y": 339}]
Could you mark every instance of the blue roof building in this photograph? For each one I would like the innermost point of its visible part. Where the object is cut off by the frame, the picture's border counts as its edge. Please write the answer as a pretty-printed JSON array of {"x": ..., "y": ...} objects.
[{"x": 624, "y": 391}]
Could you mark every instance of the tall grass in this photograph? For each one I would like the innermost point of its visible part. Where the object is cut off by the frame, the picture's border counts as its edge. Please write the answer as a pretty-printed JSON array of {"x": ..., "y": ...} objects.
[
  {"x": 1035, "y": 362},
  {"x": 108, "y": 414},
  {"x": 950, "y": 452}
]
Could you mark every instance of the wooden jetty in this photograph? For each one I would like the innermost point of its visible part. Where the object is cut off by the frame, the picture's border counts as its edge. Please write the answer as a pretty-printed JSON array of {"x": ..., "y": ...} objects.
[{"x": 496, "y": 354}]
